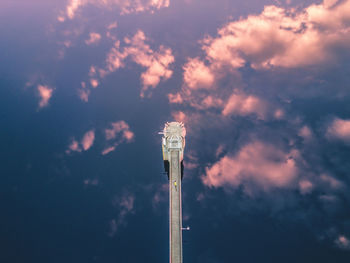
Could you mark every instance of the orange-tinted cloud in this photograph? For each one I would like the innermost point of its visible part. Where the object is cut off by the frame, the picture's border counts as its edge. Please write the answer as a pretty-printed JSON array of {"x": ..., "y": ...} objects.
[
  {"x": 88, "y": 140},
  {"x": 339, "y": 129},
  {"x": 242, "y": 104},
  {"x": 257, "y": 164},
  {"x": 118, "y": 133},
  {"x": 156, "y": 62},
  {"x": 85, "y": 143},
  {"x": 197, "y": 75},
  {"x": 124, "y": 6},
  {"x": 280, "y": 37},
  {"x": 45, "y": 93},
  {"x": 342, "y": 242},
  {"x": 125, "y": 204},
  {"x": 94, "y": 38}
]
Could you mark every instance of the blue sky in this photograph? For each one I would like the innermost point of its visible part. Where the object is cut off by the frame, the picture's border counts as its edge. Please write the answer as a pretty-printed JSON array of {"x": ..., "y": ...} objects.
[{"x": 261, "y": 86}]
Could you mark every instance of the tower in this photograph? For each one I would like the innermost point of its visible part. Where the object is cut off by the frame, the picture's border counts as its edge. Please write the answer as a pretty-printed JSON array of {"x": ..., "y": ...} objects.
[{"x": 173, "y": 144}]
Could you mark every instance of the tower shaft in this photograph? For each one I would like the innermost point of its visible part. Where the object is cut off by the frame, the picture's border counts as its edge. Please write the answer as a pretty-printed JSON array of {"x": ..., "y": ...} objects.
[
  {"x": 173, "y": 144},
  {"x": 175, "y": 213}
]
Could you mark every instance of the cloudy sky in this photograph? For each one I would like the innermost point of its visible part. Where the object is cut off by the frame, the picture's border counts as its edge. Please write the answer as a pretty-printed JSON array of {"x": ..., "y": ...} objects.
[{"x": 263, "y": 88}]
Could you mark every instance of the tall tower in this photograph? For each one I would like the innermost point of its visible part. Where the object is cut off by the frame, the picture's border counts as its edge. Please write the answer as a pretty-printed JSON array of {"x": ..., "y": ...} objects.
[{"x": 173, "y": 144}]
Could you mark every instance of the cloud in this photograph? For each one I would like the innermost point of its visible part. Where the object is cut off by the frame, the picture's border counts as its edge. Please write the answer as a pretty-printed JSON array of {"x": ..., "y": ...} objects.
[
  {"x": 118, "y": 133},
  {"x": 305, "y": 186},
  {"x": 277, "y": 38},
  {"x": 124, "y": 6},
  {"x": 119, "y": 127},
  {"x": 197, "y": 75},
  {"x": 72, "y": 8},
  {"x": 257, "y": 165},
  {"x": 242, "y": 104},
  {"x": 305, "y": 132},
  {"x": 339, "y": 129},
  {"x": 88, "y": 140},
  {"x": 342, "y": 242},
  {"x": 156, "y": 62},
  {"x": 179, "y": 116},
  {"x": 175, "y": 98},
  {"x": 74, "y": 147},
  {"x": 94, "y": 83},
  {"x": 45, "y": 94},
  {"x": 85, "y": 144},
  {"x": 280, "y": 37},
  {"x": 125, "y": 204},
  {"x": 93, "y": 182},
  {"x": 160, "y": 195},
  {"x": 94, "y": 38},
  {"x": 84, "y": 92}
]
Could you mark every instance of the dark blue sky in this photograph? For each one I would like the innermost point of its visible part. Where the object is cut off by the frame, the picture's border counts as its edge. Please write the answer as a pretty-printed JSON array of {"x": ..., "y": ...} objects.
[{"x": 263, "y": 90}]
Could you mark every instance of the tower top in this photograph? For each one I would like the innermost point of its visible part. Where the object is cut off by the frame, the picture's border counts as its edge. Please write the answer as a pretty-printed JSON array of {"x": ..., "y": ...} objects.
[
  {"x": 174, "y": 128},
  {"x": 173, "y": 138}
]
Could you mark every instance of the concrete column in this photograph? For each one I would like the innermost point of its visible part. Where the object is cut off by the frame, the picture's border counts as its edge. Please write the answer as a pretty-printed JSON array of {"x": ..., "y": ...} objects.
[{"x": 175, "y": 227}]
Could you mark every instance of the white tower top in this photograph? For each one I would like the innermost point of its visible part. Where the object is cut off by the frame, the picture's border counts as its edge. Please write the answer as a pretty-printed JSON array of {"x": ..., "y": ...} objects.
[{"x": 173, "y": 138}]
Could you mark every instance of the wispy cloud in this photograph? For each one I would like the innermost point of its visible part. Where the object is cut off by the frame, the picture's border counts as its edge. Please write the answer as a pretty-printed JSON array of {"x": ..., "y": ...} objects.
[
  {"x": 156, "y": 62},
  {"x": 84, "y": 92},
  {"x": 281, "y": 37},
  {"x": 88, "y": 140},
  {"x": 45, "y": 94},
  {"x": 85, "y": 143},
  {"x": 118, "y": 133},
  {"x": 125, "y": 204},
  {"x": 257, "y": 167},
  {"x": 124, "y": 6},
  {"x": 339, "y": 129},
  {"x": 342, "y": 242},
  {"x": 94, "y": 38}
]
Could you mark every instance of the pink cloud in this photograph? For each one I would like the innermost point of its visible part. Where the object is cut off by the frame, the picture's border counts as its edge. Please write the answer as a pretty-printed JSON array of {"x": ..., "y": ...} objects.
[
  {"x": 160, "y": 195},
  {"x": 175, "y": 98},
  {"x": 88, "y": 140},
  {"x": 117, "y": 128},
  {"x": 280, "y": 37},
  {"x": 72, "y": 7},
  {"x": 330, "y": 182},
  {"x": 118, "y": 133},
  {"x": 277, "y": 37},
  {"x": 74, "y": 147},
  {"x": 125, "y": 6},
  {"x": 305, "y": 132},
  {"x": 112, "y": 26},
  {"x": 156, "y": 62},
  {"x": 93, "y": 182},
  {"x": 109, "y": 149},
  {"x": 242, "y": 104},
  {"x": 305, "y": 186},
  {"x": 339, "y": 129},
  {"x": 125, "y": 204},
  {"x": 342, "y": 242},
  {"x": 257, "y": 166},
  {"x": 45, "y": 93},
  {"x": 84, "y": 94},
  {"x": 179, "y": 116},
  {"x": 94, "y": 38},
  {"x": 85, "y": 144},
  {"x": 197, "y": 75},
  {"x": 94, "y": 83}
]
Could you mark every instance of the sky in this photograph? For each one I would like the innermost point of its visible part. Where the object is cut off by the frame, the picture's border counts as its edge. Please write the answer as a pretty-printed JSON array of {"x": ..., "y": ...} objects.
[{"x": 262, "y": 87}]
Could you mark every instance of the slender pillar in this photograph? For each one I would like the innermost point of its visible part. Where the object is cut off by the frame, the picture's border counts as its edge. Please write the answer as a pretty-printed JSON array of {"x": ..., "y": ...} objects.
[
  {"x": 173, "y": 144},
  {"x": 175, "y": 224}
]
